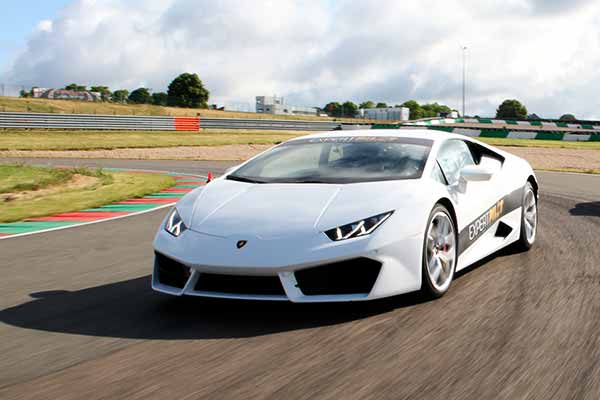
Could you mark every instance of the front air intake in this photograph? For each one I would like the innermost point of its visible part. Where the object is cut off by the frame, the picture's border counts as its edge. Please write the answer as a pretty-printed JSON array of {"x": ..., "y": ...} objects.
[
  {"x": 355, "y": 276},
  {"x": 240, "y": 284},
  {"x": 170, "y": 272}
]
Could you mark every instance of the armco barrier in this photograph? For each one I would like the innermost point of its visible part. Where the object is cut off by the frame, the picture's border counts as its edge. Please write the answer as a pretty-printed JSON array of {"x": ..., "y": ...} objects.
[
  {"x": 97, "y": 122},
  {"x": 146, "y": 123},
  {"x": 270, "y": 124}
]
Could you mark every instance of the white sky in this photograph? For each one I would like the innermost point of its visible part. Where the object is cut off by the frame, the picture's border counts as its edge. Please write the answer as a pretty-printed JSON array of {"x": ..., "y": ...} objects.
[{"x": 544, "y": 53}]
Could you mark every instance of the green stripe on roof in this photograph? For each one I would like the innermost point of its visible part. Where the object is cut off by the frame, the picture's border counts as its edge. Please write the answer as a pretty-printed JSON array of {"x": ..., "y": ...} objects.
[
  {"x": 485, "y": 120},
  {"x": 511, "y": 122}
]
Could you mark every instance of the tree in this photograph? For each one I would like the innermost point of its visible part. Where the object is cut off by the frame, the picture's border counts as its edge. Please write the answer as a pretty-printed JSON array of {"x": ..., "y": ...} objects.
[
  {"x": 333, "y": 109},
  {"x": 349, "y": 109},
  {"x": 416, "y": 112},
  {"x": 120, "y": 96},
  {"x": 430, "y": 110},
  {"x": 512, "y": 109},
  {"x": 103, "y": 90},
  {"x": 75, "y": 87},
  {"x": 140, "y": 96},
  {"x": 160, "y": 99},
  {"x": 434, "y": 110},
  {"x": 367, "y": 104},
  {"x": 187, "y": 90},
  {"x": 23, "y": 93},
  {"x": 381, "y": 105},
  {"x": 567, "y": 118}
]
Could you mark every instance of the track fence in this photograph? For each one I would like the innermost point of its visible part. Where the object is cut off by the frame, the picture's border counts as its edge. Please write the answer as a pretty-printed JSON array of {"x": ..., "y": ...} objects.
[{"x": 162, "y": 123}]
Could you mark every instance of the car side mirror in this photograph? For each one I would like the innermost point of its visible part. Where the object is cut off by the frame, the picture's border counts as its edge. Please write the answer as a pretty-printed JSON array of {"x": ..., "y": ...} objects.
[{"x": 476, "y": 173}]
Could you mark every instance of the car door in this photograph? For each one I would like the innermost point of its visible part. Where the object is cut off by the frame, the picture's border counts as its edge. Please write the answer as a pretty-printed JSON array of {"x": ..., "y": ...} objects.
[{"x": 473, "y": 199}]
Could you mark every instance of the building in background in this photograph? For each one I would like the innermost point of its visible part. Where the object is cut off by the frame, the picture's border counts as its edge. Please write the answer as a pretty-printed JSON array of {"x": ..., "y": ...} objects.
[
  {"x": 276, "y": 105},
  {"x": 385, "y": 114},
  {"x": 62, "y": 94}
]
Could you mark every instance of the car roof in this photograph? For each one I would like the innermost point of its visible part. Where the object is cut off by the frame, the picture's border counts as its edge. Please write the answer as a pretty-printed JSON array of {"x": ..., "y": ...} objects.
[{"x": 418, "y": 133}]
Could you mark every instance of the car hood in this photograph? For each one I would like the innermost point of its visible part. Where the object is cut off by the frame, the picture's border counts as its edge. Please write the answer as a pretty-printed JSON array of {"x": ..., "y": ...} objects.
[{"x": 268, "y": 211}]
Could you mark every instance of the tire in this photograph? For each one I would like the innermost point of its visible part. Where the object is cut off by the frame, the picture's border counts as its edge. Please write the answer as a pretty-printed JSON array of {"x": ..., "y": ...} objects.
[
  {"x": 440, "y": 255},
  {"x": 529, "y": 219}
]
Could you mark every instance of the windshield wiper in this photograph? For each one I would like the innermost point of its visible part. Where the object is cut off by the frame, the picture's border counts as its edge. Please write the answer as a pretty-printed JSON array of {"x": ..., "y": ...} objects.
[
  {"x": 242, "y": 179},
  {"x": 308, "y": 181}
]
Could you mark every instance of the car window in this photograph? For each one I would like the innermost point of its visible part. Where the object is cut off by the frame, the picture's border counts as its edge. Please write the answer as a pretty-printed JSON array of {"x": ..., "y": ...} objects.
[
  {"x": 297, "y": 160},
  {"x": 452, "y": 157},
  {"x": 339, "y": 160}
]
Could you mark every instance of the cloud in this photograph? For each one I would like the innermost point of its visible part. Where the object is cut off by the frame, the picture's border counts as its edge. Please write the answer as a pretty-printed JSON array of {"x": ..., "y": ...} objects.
[
  {"x": 542, "y": 52},
  {"x": 44, "y": 25}
]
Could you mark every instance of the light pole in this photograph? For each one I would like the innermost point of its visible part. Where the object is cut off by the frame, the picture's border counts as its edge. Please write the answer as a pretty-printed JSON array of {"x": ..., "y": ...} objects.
[{"x": 464, "y": 74}]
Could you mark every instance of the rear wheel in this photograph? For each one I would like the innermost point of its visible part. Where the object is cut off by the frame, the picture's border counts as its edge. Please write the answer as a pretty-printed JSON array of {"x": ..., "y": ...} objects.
[
  {"x": 439, "y": 252},
  {"x": 529, "y": 219}
]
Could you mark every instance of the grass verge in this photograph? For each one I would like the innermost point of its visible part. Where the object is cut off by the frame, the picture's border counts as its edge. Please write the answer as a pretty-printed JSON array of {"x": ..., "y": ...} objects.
[
  {"x": 553, "y": 144},
  {"x": 102, "y": 140},
  {"x": 110, "y": 188},
  {"x": 18, "y": 178},
  {"x": 575, "y": 170},
  {"x": 16, "y": 139},
  {"x": 16, "y": 104}
]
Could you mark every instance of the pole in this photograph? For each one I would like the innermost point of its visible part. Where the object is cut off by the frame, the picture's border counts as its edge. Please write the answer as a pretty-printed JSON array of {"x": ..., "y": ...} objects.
[{"x": 464, "y": 61}]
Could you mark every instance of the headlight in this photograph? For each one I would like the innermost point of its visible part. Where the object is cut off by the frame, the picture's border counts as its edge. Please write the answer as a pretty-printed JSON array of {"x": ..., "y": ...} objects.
[
  {"x": 174, "y": 224},
  {"x": 358, "y": 228}
]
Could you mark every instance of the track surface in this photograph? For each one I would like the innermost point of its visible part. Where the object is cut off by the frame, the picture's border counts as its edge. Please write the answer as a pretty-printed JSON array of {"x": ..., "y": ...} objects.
[{"x": 79, "y": 320}]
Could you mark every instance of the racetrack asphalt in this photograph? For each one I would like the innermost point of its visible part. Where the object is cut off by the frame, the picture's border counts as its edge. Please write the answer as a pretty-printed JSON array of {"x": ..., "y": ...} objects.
[{"x": 78, "y": 320}]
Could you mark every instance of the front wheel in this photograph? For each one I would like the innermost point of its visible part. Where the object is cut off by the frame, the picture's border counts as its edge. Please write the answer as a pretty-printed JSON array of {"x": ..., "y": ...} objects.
[
  {"x": 439, "y": 252},
  {"x": 529, "y": 219}
]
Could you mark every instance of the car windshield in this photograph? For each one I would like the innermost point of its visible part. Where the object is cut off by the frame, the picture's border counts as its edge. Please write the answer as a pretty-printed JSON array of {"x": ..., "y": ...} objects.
[{"x": 338, "y": 160}]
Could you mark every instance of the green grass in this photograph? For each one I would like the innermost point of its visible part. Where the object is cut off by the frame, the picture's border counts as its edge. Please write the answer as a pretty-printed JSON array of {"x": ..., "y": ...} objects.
[
  {"x": 16, "y": 104},
  {"x": 110, "y": 187},
  {"x": 103, "y": 140},
  {"x": 16, "y": 178},
  {"x": 540, "y": 143},
  {"x": 95, "y": 140}
]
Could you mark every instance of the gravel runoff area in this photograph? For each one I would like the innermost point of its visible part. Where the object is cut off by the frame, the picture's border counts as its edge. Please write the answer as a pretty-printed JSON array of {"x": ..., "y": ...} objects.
[{"x": 540, "y": 158}]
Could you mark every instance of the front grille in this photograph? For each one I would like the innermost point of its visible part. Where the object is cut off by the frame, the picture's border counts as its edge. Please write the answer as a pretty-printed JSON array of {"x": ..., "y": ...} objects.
[
  {"x": 170, "y": 272},
  {"x": 240, "y": 284},
  {"x": 356, "y": 276}
]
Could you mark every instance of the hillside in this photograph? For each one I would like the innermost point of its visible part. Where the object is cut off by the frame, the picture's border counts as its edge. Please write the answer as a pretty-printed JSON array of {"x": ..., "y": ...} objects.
[{"x": 8, "y": 104}]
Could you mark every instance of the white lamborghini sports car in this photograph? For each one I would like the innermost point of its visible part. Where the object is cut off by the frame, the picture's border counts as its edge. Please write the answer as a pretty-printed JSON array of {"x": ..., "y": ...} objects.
[{"x": 347, "y": 216}]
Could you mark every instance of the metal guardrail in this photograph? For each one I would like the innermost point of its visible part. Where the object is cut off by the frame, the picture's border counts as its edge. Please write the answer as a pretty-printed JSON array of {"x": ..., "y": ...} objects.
[
  {"x": 85, "y": 121},
  {"x": 125, "y": 122},
  {"x": 268, "y": 124}
]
